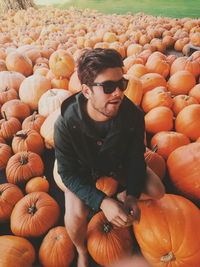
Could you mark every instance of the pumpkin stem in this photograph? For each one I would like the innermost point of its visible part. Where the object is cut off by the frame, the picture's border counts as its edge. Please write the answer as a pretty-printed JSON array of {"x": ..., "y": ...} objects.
[
  {"x": 24, "y": 136},
  {"x": 52, "y": 92},
  {"x": 1, "y": 193},
  {"x": 107, "y": 227},
  {"x": 155, "y": 148},
  {"x": 168, "y": 257},
  {"x": 24, "y": 159},
  {"x": 32, "y": 209},
  {"x": 33, "y": 116},
  {"x": 4, "y": 116},
  {"x": 5, "y": 89}
]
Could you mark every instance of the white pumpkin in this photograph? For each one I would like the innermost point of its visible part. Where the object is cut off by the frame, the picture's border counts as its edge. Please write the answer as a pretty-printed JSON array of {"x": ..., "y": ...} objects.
[{"x": 52, "y": 100}]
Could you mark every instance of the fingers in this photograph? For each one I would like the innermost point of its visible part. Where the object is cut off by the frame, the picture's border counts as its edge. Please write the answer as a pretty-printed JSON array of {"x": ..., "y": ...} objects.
[{"x": 121, "y": 223}]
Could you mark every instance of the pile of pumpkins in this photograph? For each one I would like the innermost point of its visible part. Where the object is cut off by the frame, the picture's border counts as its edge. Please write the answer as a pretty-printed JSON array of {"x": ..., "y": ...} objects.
[{"x": 38, "y": 54}]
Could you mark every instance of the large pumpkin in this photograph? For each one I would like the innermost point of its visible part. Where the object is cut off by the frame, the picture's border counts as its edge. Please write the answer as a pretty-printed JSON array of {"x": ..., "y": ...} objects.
[
  {"x": 22, "y": 166},
  {"x": 52, "y": 100},
  {"x": 184, "y": 170},
  {"x": 108, "y": 185},
  {"x": 10, "y": 194},
  {"x": 168, "y": 232},
  {"x": 32, "y": 88},
  {"x": 16, "y": 251},
  {"x": 47, "y": 128},
  {"x": 11, "y": 79},
  {"x": 34, "y": 214},
  {"x": 106, "y": 242},
  {"x": 56, "y": 249}
]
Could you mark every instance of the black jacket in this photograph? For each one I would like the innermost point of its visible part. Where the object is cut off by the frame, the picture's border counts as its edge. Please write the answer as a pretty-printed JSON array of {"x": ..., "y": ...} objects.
[{"x": 83, "y": 156}]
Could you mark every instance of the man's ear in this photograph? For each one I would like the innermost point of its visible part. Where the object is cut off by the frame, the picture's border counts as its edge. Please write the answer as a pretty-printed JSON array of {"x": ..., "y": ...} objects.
[{"x": 86, "y": 91}]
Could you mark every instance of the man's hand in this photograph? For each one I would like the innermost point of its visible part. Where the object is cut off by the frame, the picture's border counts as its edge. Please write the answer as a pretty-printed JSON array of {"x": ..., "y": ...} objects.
[
  {"x": 116, "y": 213},
  {"x": 131, "y": 206}
]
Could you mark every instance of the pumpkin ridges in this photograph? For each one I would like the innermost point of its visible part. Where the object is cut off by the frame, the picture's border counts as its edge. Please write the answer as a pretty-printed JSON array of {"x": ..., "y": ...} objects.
[
  {"x": 107, "y": 248},
  {"x": 45, "y": 214},
  {"x": 162, "y": 232}
]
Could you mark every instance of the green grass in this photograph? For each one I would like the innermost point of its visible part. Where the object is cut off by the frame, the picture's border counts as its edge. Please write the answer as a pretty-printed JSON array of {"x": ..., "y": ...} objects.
[{"x": 169, "y": 8}]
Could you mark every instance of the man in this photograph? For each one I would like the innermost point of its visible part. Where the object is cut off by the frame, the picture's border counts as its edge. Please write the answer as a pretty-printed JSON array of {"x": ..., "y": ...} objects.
[{"x": 100, "y": 132}]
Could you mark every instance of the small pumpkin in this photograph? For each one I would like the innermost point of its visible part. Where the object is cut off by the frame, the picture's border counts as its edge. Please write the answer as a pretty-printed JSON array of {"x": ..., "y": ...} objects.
[
  {"x": 182, "y": 101},
  {"x": 11, "y": 79},
  {"x": 22, "y": 166},
  {"x": 7, "y": 94},
  {"x": 108, "y": 185},
  {"x": 37, "y": 184},
  {"x": 33, "y": 122},
  {"x": 151, "y": 81},
  {"x": 28, "y": 140},
  {"x": 56, "y": 249},
  {"x": 134, "y": 90},
  {"x": 9, "y": 126}
]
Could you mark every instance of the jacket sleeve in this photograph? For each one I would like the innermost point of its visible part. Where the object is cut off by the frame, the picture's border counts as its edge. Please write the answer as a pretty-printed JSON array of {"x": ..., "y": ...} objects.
[
  {"x": 135, "y": 166},
  {"x": 69, "y": 168}
]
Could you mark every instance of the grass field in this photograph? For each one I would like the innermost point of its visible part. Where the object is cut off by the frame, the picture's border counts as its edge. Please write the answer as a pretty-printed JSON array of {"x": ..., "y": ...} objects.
[{"x": 169, "y": 8}]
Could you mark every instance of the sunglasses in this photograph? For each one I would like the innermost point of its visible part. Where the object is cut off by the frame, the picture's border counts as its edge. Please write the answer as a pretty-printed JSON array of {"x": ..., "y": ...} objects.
[{"x": 110, "y": 86}]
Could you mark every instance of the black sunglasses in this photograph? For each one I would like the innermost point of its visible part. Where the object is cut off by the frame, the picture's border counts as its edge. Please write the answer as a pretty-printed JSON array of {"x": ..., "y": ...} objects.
[{"x": 110, "y": 86}]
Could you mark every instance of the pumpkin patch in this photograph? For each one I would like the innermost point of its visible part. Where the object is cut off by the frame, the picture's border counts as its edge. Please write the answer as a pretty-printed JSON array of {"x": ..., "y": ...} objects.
[{"x": 39, "y": 51}]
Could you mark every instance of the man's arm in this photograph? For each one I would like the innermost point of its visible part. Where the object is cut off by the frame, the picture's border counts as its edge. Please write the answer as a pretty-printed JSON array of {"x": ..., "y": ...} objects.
[{"x": 69, "y": 168}]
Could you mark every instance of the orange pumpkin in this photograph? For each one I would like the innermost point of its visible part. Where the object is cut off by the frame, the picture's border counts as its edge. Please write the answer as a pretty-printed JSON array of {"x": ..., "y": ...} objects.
[
  {"x": 134, "y": 89},
  {"x": 108, "y": 185},
  {"x": 195, "y": 92},
  {"x": 182, "y": 101},
  {"x": 56, "y": 249},
  {"x": 22, "y": 166},
  {"x": 10, "y": 194},
  {"x": 5, "y": 154},
  {"x": 37, "y": 184},
  {"x": 107, "y": 243},
  {"x": 181, "y": 82},
  {"x": 28, "y": 140},
  {"x": 61, "y": 63},
  {"x": 7, "y": 94},
  {"x": 156, "y": 97},
  {"x": 152, "y": 80},
  {"x": 9, "y": 126},
  {"x": 16, "y": 61},
  {"x": 168, "y": 141},
  {"x": 155, "y": 161},
  {"x": 184, "y": 172},
  {"x": 185, "y": 63},
  {"x": 159, "y": 119},
  {"x": 160, "y": 232},
  {"x": 33, "y": 122},
  {"x": 188, "y": 121},
  {"x": 34, "y": 214},
  {"x": 16, "y": 108},
  {"x": 16, "y": 251}
]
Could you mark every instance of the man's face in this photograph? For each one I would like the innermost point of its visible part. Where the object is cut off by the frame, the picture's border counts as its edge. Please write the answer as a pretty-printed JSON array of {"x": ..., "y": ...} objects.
[{"x": 103, "y": 106}]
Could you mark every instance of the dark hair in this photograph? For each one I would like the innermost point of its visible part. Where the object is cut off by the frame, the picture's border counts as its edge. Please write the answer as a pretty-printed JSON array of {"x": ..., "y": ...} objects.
[{"x": 94, "y": 61}]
